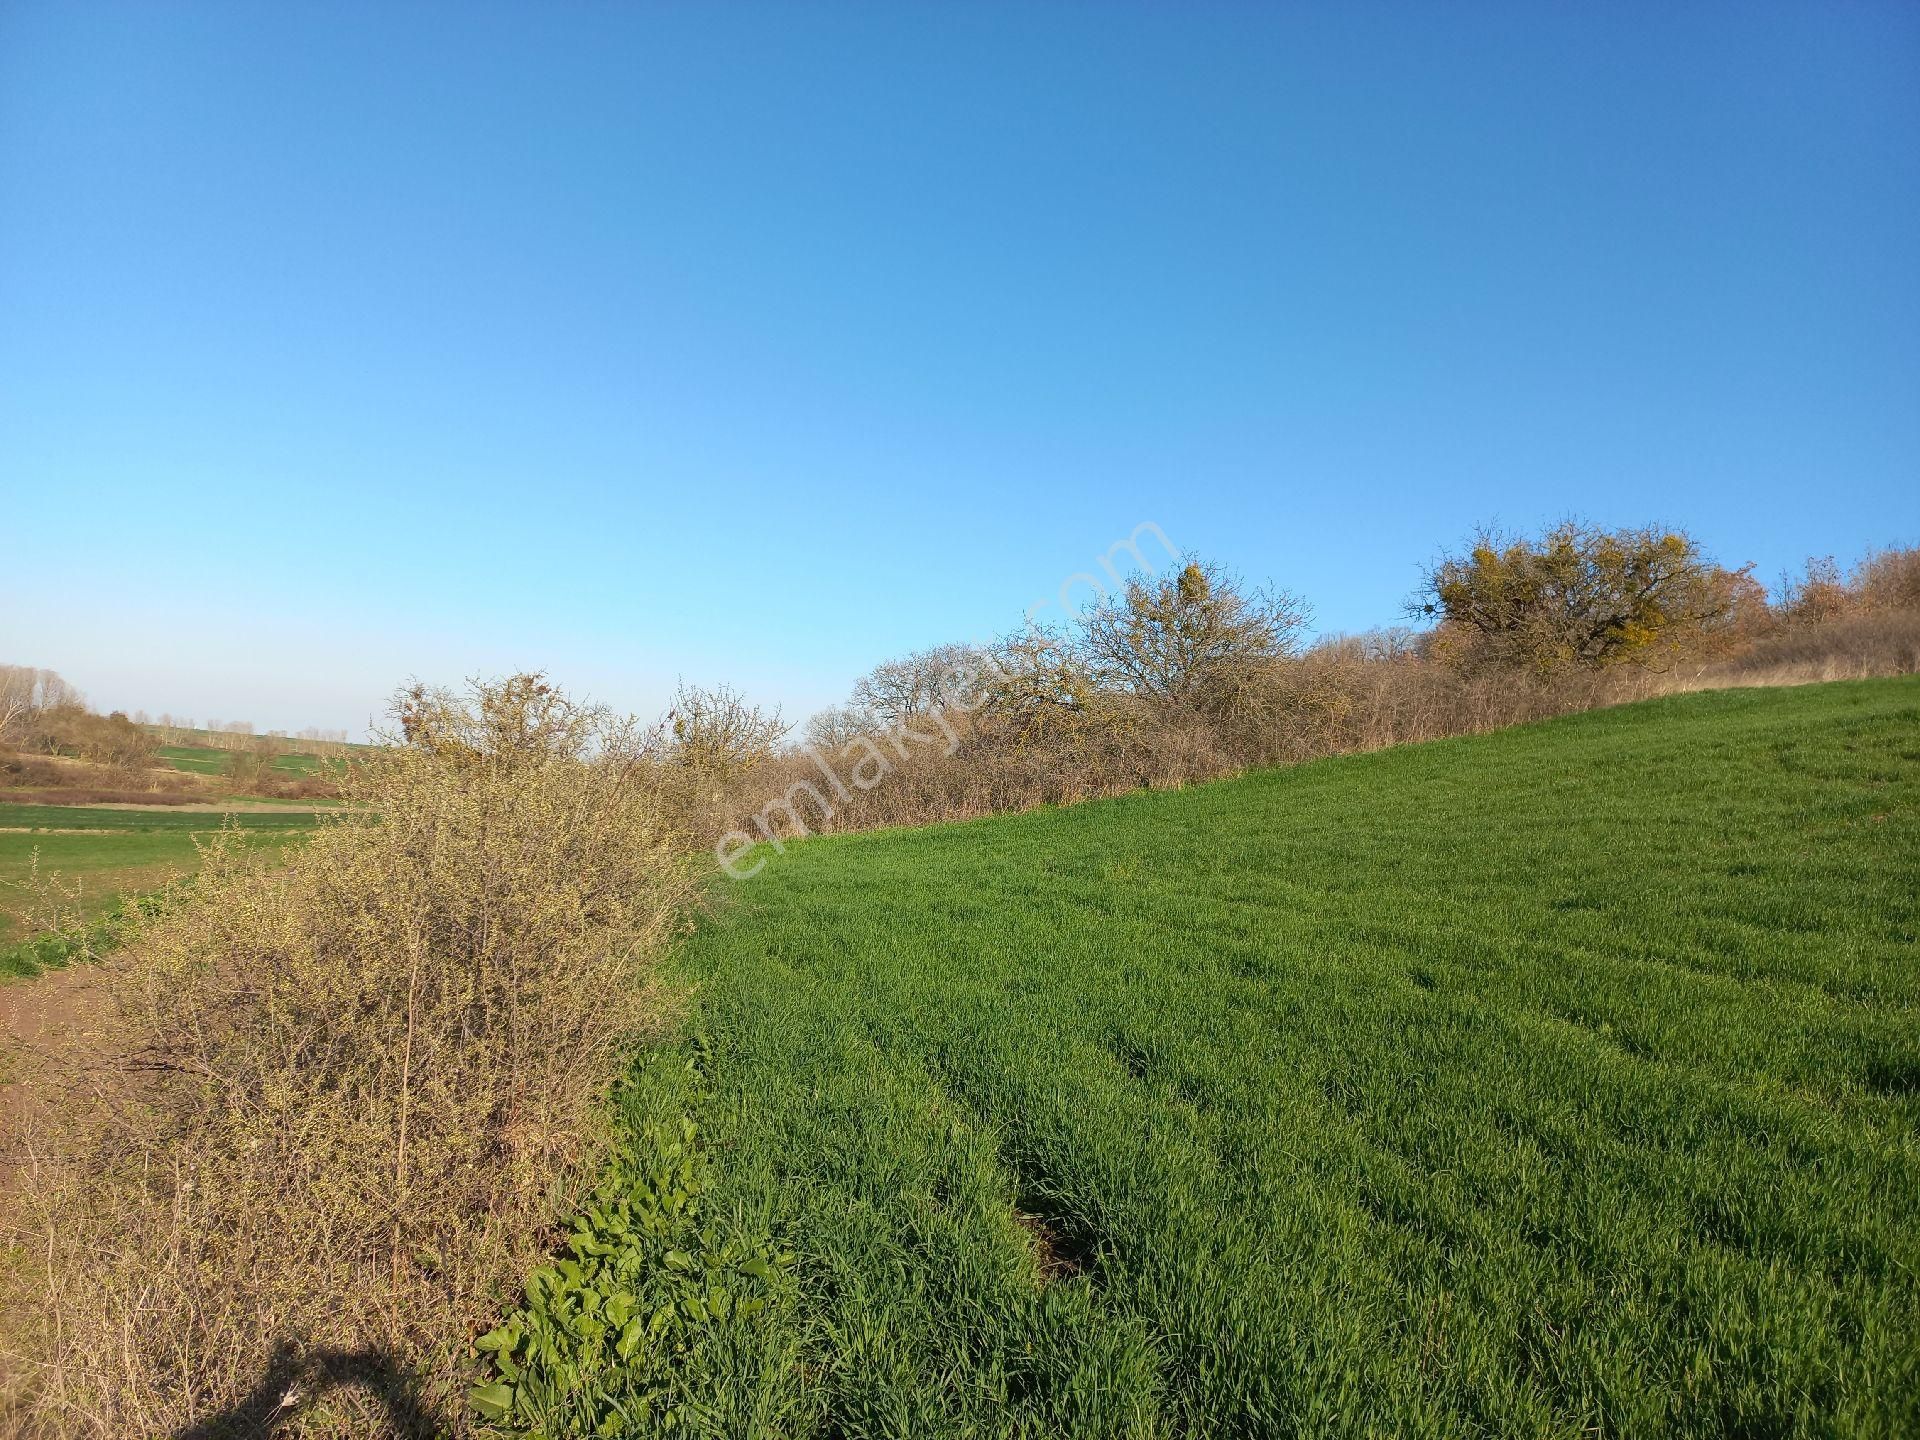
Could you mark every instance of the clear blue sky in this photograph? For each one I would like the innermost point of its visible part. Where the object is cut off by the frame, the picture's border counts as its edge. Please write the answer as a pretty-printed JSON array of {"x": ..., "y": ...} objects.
[{"x": 340, "y": 343}]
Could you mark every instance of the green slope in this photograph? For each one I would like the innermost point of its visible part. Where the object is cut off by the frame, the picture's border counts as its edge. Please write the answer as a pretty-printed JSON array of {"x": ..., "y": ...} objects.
[{"x": 1559, "y": 1081}]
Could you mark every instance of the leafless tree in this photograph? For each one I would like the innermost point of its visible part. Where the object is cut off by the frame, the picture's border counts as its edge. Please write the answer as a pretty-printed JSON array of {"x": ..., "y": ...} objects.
[
  {"x": 895, "y": 691},
  {"x": 839, "y": 725},
  {"x": 1174, "y": 640},
  {"x": 26, "y": 692},
  {"x": 16, "y": 696}
]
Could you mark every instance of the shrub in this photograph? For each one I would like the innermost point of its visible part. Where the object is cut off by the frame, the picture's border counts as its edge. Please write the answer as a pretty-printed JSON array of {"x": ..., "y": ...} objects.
[
  {"x": 1886, "y": 582},
  {"x": 250, "y": 769},
  {"x": 1193, "y": 640},
  {"x": 336, "y": 1102},
  {"x": 1578, "y": 595},
  {"x": 71, "y": 729},
  {"x": 1889, "y": 580},
  {"x": 1191, "y": 678},
  {"x": 1854, "y": 647},
  {"x": 716, "y": 734}
]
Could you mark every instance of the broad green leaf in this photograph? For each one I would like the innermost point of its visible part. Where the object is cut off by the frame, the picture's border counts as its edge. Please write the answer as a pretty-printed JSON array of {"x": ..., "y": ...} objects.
[{"x": 493, "y": 1401}]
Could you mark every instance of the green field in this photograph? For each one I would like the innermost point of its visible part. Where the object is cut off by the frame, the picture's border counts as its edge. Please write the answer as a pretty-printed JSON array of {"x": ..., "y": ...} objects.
[
  {"x": 1561, "y": 1081},
  {"x": 111, "y": 853},
  {"x": 59, "y": 818},
  {"x": 206, "y": 760}
]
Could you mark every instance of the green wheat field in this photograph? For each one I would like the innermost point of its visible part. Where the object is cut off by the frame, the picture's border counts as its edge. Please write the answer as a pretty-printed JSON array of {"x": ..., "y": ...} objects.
[{"x": 1559, "y": 1081}]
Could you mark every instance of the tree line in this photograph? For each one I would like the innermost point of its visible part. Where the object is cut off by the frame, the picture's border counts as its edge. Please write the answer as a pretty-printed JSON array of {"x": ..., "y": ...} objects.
[
  {"x": 46, "y": 724},
  {"x": 1196, "y": 674}
]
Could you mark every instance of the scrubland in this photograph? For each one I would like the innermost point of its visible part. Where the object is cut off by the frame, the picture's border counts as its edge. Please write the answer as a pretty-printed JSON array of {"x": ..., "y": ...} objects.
[
  {"x": 331, "y": 1104},
  {"x": 1554, "y": 1077}
]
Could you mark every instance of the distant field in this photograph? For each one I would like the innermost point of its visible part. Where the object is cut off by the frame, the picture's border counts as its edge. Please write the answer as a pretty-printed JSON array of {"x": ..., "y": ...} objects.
[
  {"x": 113, "y": 852},
  {"x": 1560, "y": 1081},
  {"x": 206, "y": 760},
  {"x": 83, "y": 817}
]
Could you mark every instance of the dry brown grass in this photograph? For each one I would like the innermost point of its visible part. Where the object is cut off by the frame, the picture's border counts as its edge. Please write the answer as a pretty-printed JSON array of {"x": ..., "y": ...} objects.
[
  {"x": 1856, "y": 647},
  {"x": 336, "y": 1103}
]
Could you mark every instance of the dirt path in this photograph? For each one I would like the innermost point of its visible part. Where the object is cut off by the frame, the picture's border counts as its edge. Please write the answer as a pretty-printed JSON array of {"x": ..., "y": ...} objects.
[{"x": 49, "y": 1018}]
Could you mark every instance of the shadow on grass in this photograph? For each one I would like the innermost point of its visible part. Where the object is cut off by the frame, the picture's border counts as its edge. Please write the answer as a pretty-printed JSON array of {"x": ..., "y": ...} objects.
[{"x": 294, "y": 1380}]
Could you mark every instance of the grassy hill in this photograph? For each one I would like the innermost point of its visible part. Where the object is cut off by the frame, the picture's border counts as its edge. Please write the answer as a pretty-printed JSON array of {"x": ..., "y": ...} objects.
[{"x": 1557, "y": 1081}]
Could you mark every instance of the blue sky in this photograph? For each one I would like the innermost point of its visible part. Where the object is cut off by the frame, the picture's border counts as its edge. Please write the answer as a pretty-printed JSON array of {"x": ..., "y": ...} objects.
[{"x": 345, "y": 343}]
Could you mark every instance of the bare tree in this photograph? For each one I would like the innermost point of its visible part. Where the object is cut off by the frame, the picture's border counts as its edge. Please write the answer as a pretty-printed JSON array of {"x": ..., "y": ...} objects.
[
  {"x": 839, "y": 725},
  {"x": 16, "y": 697},
  {"x": 895, "y": 691},
  {"x": 26, "y": 692},
  {"x": 13, "y": 709},
  {"x": 1176, "y": 640},
  {"x": 54, "y": 693}
]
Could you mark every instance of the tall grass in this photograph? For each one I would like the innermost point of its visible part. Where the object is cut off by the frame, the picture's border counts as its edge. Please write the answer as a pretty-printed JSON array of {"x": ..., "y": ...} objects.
[{"x": 335, "y": 1103}]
